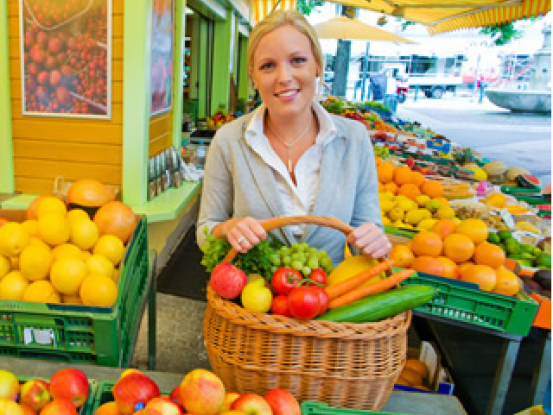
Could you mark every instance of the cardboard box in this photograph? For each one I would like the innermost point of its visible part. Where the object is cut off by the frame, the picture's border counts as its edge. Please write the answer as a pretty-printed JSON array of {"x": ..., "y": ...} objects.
[{"x": 438, "y": 379}]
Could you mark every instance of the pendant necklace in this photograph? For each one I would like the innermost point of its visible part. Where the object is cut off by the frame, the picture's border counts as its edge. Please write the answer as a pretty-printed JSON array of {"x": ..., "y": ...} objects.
[{"x": 289, "y": 146}]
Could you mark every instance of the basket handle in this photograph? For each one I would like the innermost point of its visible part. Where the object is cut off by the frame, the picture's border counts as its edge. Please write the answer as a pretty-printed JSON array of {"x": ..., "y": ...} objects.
[{"x": 274, "y": 223}]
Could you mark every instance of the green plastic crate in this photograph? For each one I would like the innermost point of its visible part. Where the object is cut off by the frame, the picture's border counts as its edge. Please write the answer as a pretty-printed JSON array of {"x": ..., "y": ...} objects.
[
  {"x": 465, "y": 302},
  {"x": 86, "y": 409},
  {"x": 79, "y": 334},
  {"x": 319, "y": 408}
]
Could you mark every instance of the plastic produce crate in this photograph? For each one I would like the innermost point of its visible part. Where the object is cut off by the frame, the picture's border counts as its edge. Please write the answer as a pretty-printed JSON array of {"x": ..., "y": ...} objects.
[
  {"x": 319, "y": 408},
  {"x": 465, "y": 302},
  {"x": 79, "y": 334},
  {"x": 86, "y": 409}
]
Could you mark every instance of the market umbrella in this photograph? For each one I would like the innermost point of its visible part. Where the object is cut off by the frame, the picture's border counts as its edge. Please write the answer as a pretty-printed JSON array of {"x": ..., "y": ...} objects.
[{"x": 343, "y": 27}]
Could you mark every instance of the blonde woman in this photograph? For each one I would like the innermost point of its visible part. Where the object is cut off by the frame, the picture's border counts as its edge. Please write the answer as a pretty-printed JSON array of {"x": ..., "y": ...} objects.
[{"x": 290, "y": 156}]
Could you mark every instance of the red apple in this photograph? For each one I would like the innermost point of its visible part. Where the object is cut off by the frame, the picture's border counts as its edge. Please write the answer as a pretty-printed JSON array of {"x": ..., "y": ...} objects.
[
  {"x": 227, "y": 280},
  {"x": 202, "y": 392},
  {"x": 230, "y": 397},
  {"x": 164, "y": 406},
  {"x": 108, "y": 408},
  {"x": 282, "y": 402},
  {"x": 175, "y": 394},
  {"x": 59, "y": 407},
  {"x": 9, "y": 385},
  {"x": 252, "y": 404},
  {"x": 70, "y": 384},
  {"x": 133, "y": 389},
  {"x": 35, "y": 393}
]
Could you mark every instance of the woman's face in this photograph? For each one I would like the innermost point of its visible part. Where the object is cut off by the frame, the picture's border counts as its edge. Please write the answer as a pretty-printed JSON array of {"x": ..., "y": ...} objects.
[{"x": 284, "y": 71}]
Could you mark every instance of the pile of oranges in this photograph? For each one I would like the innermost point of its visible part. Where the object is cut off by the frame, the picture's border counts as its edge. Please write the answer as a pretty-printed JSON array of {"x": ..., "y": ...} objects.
[
  {"x": 461, "y": 252},
  {"x": 401, "y": 180},
  {"x": 59, "y": 256}
]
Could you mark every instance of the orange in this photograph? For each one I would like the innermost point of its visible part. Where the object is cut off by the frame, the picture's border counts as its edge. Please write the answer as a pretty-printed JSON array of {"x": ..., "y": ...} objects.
[
  {"x": 32, "y": 209},
  {"x": 5, "y": 266},
  {"x": 65, "y": 250},
  {"x": 77, "y": 214},
  {"x": 432, "y": 188},
  {"x": 390, "y": 187},
  {"x": 381, "y": 188},
  {"x": 410, "y": 190},
  {"x": 450, "y": 267},
  {"x": 377, "y": 161},
  {"x": 444, "y": 227},
  {"x": 443, "y": 201},
  {"x": 97, "y": 290},
  {"x": 427, "y": 243},
  {"x": 385, "y": 172},
  {"x": 417, "y": 178},
  {"x": 67, "y": 274},
  {"x": 35, "y": 262},
  {"x": 71, "y": 299},
  {"x": 402, "y": 256},
  {"x": 482, "y": 275},
  {"x": 41, "y": 292},
  {"x": 13, "y": 238},
  {"x": 31, "y": 226},
  {"x": 99, "y": 264},
  {"x": 411, "y": 376},
  {"x": 428, "y": 265},
  {"x": 417, "y": 365},
  {"x": 402, "y": 175},
  {"x": 475, "y": 229},
  {"x": 116, "y": 218},
  {"x": 54, "y": 229},
  {"x": 84, "y": 233},
  {"x": 50, "y": 204},
  {"x": 506, "y": 282},
  {"x": 111, "y": 247},
  {"x": 458, "y": 248},
  {"x": 464, "y": 265},
  {"x": 12, "y": 286},
  {"x": 489, "y": 254},
  {"x": 108, "y": 408}
]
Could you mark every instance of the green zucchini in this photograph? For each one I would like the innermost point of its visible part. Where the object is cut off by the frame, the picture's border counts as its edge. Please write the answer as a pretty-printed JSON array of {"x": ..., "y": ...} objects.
[{"x": 380, "y": 306}]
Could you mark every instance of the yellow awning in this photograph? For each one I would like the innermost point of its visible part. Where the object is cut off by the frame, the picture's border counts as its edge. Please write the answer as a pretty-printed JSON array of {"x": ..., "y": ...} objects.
[{"x": 440, "y": 16}]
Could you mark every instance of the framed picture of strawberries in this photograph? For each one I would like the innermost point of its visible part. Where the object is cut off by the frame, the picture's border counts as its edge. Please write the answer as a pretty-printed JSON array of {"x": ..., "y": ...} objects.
[{"x": 162, "y": 56}]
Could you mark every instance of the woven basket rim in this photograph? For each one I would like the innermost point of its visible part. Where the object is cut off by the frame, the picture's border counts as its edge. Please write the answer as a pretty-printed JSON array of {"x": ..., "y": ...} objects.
[{"x": 306, "y": 328}]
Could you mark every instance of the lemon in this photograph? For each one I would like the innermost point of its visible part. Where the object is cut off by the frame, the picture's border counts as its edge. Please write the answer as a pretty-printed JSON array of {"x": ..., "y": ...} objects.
[
  {"x": 35, "y": 240},
  {"x": 13, "y": 238},
  {"x": 49, "y": 205},
  {"x": 41, "y": 292},
  {"x": 14, "y": 260},
  {"x": 433, "y": 205},
  {"x": 31, "y": 226},
  {"x": 111, "y": 247},
  {"x": 386, "y": 221},
  {"x": 99, "y": 264},
  {"x": 13, "y": 286},
  {"x": 85, "y": 255},
  {"x": 97, "y": 290},
  {"x": 84, "y": 233},
  {"x": 426, "y": 224},
  {"x": 396, "y": 214},
  {"x": 5, "y": 266},
  {"x": 446, "y": 213},
  {"x": 35, "y": 262},
  {"x": 71, "y": 299},
  {"x": 387, "y": 205},
  {"x": 422, "y": 200},
  {"x": 496, "y": 200},
  {"x": 77, "y": 215},
  {"x": 54, "y": 229},
  {"x": 67, "y": 250},
  {"x": 256, "y": 297},
  {"x": 67, "y": 274}
]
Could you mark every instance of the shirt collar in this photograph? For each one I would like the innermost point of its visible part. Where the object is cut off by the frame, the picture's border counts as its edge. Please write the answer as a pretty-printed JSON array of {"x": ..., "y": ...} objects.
[{"x": 327, "y": 128}]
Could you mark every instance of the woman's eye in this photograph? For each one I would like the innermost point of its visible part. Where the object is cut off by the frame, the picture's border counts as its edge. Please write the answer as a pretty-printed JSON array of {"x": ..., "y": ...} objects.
[
  {"x": 266, "y": 65},
  {"x": 299, "y": 59}
]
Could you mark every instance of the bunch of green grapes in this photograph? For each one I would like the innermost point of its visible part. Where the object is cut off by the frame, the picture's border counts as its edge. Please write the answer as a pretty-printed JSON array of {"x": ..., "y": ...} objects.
[{"x": 302, "y": 258}]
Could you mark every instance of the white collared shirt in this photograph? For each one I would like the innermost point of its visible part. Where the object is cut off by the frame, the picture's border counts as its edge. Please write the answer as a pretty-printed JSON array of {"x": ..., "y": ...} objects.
[{"x": 296, "y": 199}]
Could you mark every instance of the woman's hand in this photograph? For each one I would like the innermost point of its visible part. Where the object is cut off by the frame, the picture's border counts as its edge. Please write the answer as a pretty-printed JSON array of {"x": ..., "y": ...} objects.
[
  {"x": 242, "y": 233},
  {"x": 370, "y": 240}
]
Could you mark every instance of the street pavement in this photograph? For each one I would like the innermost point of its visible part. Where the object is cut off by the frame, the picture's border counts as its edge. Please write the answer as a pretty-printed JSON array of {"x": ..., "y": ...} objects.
[{"x": 522, "y": 140}]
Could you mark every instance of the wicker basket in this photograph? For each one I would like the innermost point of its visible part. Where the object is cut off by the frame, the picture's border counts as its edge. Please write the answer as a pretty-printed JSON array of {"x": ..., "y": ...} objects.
[{"x": 343, "y": 364}]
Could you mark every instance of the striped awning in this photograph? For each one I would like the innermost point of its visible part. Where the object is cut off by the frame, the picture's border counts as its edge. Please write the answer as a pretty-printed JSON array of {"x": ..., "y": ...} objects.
[{"x": 440, "y": 16}]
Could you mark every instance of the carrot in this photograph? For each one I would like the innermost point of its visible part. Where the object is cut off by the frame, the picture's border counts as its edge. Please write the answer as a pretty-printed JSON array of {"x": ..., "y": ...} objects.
[
  {"x": 371, "y": 289},
  {"x": 336, "y": 290}
]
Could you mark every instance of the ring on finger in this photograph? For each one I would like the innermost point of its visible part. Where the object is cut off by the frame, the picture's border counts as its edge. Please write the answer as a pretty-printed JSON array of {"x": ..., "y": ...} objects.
[{"x": 241, "y": 239}]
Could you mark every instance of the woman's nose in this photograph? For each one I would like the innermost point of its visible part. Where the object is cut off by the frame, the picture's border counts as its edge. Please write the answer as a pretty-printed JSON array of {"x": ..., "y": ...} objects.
[{"x": 284, "y": 73}]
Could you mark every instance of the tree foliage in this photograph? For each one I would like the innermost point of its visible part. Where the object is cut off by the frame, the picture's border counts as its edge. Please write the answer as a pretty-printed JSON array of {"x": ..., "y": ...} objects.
[
  {"x": 305, "y": 7},
  {"x": 502, "y": 33}
]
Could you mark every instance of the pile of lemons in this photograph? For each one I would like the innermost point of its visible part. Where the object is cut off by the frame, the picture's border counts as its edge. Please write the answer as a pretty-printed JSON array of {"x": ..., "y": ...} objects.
[
  {"x": 59, "y": 256},
  {"x": 421, "y": 213}
]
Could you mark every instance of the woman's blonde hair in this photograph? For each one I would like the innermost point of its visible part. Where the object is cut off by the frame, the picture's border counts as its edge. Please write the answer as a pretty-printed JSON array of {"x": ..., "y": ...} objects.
[{"x": 280, "y": 18}]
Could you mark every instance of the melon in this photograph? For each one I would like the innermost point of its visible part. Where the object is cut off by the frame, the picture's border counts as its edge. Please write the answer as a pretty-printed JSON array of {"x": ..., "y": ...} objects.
[
  {"x": 529, "y": 181},
  {"x": 495, "y": 168},
  {"x": 89, "y": 193},
  {"x": 514, "y": 172}
]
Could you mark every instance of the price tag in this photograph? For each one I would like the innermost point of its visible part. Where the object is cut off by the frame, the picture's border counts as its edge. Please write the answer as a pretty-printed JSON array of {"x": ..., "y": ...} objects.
[
  {"x": 39, "y": 336},
  {"x": 507, "y": 218}
]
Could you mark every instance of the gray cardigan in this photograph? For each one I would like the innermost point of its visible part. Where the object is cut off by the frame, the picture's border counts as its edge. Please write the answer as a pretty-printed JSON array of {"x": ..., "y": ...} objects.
[{"x": 238, "y": 183}]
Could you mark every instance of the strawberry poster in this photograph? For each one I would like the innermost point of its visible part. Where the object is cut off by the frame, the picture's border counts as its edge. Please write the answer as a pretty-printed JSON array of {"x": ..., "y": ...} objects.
[
  {"x": 66, "y": 58},
  {"x": 162, "y": 56}
]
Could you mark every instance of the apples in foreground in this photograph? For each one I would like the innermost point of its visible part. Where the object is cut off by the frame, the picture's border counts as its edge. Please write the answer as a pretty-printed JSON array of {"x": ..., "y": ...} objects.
[
  {"x": 230, "y": 397},
  {"x": 282, "y": 402},
  {"x": 27, "y": 410},
  {"x": 59, "y": 407},
  {"x": 163, "y": 406},
  {"x": 8, "y": 406},
  {"x": 132, "y": 389},
  {"x": 35, "y": 394},
  {"x": 227, "y": 280},
  {"x": 9, "y": 385},
  {"x": 70, "y": 384},
  {"x": 108, "y": 408},
  {"x": 252, "y": 404},
  {"x": 202, "y": 392}
]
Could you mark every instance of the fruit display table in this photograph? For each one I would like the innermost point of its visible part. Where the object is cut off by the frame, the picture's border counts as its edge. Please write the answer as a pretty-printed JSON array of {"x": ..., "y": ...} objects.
[{"x": 399, "y": 403}]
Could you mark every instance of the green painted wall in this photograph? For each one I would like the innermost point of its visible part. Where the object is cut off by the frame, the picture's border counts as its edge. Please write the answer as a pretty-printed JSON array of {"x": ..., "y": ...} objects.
[
  {"x": 222, "y": 55},
  {"x": 243, "y": 87},
  {"x": 203, "y": 75},
  {"x": 6, "y": 140},
  {"x": 137, "y": 29}
]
